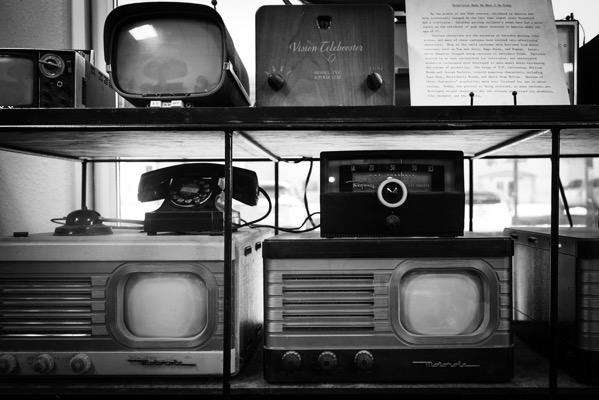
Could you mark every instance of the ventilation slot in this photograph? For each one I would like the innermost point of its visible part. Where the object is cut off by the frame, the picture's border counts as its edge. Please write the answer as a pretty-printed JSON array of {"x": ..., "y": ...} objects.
[
  {"x": 46, "y": 307},
  {"x": 328, "y": 303}
]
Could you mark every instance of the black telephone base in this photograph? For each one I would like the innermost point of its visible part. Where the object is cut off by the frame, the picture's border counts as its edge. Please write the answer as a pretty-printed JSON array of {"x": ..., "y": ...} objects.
[{"x": 178, "y": 222}]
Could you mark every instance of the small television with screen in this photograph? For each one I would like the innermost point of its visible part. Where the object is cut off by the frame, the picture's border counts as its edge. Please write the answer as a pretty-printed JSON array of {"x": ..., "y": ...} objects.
[
  {"x": 127, "y": 304},
  {"x": 168, "y": 54},
  {"x": 49, "y": 78},
  {"x": 387, "y": 309}
]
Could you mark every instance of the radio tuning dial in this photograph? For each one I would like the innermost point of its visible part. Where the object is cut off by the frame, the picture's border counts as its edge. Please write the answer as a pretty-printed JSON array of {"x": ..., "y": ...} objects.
[
  {"x": 392, "y": 192},
  {"x": 364, "y": 360},
  {"x": 43, "y": 363},
  {"x": 327, "y": 361},
  {"x": 276, "y": 81},
  {"x": 291, "y": 360},
  {"x": 80, "y": 363},
  {"x": 8, "y": 364}
]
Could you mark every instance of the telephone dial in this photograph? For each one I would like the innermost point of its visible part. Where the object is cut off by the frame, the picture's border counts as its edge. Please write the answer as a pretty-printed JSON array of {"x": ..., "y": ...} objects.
[{"x": 193, "y": 197}]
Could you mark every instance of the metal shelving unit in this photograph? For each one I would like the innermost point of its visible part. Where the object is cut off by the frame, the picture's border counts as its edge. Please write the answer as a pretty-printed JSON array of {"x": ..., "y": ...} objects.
[{"x": 104, "y": 135}]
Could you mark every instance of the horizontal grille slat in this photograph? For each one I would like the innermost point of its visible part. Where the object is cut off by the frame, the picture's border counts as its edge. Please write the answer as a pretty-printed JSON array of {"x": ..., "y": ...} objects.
[
  {"x": 328, "y": 302},
  {"x": 34, "y": 306}
]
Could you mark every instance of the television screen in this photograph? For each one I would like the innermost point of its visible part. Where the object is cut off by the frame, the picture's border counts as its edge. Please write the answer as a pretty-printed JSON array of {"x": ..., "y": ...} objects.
[
  {"x": 17, "y": 85},
  {"x": 434, "y": 302},
  {"x": 166, "y": 56},
  {"x": 165, "y": 305}
]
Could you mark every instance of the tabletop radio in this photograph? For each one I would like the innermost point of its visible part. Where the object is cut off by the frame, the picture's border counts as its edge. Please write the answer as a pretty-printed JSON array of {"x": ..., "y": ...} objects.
[
  {"x": 126, "y": 304},
  {"x": 44, "y": 78},
  {"x": 577, "y": 294},
  {"x": 324, "y": 55},
  {"x": 392, "y": 193},
  {"x": 387, "y": 309}
]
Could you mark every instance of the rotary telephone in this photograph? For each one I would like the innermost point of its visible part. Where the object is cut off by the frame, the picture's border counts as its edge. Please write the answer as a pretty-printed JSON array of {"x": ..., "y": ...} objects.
[{"x": 192, "y": 193}]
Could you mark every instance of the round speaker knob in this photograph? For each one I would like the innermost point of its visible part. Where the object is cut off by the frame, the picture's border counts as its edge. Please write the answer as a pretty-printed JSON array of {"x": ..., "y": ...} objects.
[
  {"x": 327, "y": 361},
  {"x": 291, "y": 360},
  {"x": 8, "y": 364},
  {"x": 43, "y": 363},
  {"x": 374, "y": 81},
  {"x": 80, "y": 363},
  {"x": 364, "y": 360}
]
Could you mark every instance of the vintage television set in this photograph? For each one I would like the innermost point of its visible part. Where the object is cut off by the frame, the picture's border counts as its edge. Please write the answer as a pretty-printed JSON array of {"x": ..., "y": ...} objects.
[
  {"x": 577, "y": 294},
  {"x": 169, "y": 54},
  {"x": 568, "y": 42},
  {"x": 127, "y": 304},
  {"x": 387, "y": 309},
  {"x": 46, "y": 78}
]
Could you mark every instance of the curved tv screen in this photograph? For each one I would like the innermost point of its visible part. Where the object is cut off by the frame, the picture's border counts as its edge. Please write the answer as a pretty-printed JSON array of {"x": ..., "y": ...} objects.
[{"x": 168, "y": 56}]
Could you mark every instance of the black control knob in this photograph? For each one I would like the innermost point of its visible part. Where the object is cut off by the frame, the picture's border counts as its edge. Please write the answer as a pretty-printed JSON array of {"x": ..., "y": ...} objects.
[
  {"x": 80, "y": 363},
  {"x": 374, "y": 81},
  {"x": 43, "y": 363},
  {"x": 291, "y": 361},
  {"x": 364, "y": 360},
  {"x": 8, "y": 364},
  {"x": 392, "y": 223},
  {"x": 327, "y": 361},
  {"x": 276, "y": 81}
]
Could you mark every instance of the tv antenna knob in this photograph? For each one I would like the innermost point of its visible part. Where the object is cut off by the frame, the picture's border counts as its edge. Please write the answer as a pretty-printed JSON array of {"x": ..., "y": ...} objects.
[
  {"x": 364, "y": 360},
  {"x": 8, "y": 364},
  {"x": 327, "y": 361},
  {"x": 291, "y": 360},
  {"x": 43, "y": 363},
  {"x": 374, "y": 81},
  {"x": 276, "y": 81},
  {"x": 80, "y": 363}
]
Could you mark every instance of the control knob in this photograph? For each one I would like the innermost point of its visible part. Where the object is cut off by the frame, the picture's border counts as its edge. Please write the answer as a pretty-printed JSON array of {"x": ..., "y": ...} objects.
[
  {"x": 364, "y": 360},
  {"x": 80, "y": 363},
  {"x": 43, "y": 363},
  {"x": 374, "y": 81},
  {"x": 276, "y": 81},
  {"x": 8, "y": 364},
  {"x": 327, "y": 361},
  {"x": 291, "y": 360}
]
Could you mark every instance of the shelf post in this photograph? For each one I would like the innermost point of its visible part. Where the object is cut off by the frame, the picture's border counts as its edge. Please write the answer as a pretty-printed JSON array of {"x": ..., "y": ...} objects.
[
  {"x": 554, "y": 251},
  {"x": 227, "y": 239}
]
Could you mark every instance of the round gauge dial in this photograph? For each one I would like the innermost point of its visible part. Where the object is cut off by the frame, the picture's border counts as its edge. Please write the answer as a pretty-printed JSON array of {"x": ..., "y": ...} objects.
[
  {"x": 190, "y": 192},
  {"x": 51, "y": 65},
  {"x": 392, "y": 193}
]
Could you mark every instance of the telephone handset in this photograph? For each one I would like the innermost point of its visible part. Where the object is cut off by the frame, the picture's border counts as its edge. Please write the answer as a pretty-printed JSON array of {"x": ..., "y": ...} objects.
[{"x": 191, "y": 193}]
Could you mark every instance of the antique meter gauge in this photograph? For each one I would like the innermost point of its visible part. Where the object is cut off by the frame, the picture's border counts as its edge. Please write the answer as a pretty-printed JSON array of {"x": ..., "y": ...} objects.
[{"x": 392, "y": 193}]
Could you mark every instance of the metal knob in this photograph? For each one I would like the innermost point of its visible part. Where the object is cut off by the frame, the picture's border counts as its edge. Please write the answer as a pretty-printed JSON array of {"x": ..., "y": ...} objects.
[
  {"x": 291, "y": 360},
  {"x": 327, "y": 361},
  {"x": 43, "y": 363},
  {"x": 8, "y": 364},
  {"x": 364, "y": 360},
  {"x": 80, "y": 363}
]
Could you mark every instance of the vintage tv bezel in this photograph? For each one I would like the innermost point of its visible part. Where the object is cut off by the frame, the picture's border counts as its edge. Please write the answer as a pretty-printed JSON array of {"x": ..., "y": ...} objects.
[
  {"x": 419, "y": 213},
  {"x": 577, "y": 348},
  {"x": 304, "y": 274},
  {"x": 90, "y": 271},
  {"x": 80, "y": 84},
  {"x": 233, "y": 87}
]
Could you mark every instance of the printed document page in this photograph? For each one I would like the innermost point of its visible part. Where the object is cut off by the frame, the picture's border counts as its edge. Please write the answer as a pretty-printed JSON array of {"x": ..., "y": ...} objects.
[{"x": 484, "y": 52}]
